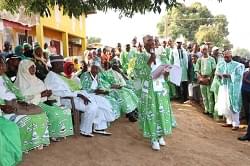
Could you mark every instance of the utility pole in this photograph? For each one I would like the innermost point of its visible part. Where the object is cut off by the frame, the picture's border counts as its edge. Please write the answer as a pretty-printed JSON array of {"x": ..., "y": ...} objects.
[{"x": 166, "y": 27}]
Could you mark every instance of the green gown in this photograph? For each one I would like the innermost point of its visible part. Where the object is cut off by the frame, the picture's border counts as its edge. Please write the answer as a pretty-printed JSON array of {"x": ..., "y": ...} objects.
[
  {"x": 59, "y": 120},
  {"x": 126, "y": 98},
  {"x": 128, "y": 61},
  {"x": 10, "y": 143},
  {"x": 155, "y": 113},
  {"x": 86, "y": 81},
  {"x": 233, "y": 84},
  {"x": 33, "y": 128},
  {"x": 206, "y": 66}
]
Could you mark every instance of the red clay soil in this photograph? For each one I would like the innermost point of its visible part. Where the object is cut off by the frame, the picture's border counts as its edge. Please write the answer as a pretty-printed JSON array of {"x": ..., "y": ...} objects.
[{"x": 197, "y": 141}]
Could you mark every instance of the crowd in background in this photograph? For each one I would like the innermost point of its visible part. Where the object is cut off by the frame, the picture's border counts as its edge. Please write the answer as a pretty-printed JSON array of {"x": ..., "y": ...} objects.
[{"x": 106, "y": 84}]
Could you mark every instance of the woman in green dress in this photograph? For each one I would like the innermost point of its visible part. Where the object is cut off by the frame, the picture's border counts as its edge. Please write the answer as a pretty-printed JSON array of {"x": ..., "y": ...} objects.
[
  {"x": 35, "y": 92},
  {"x": 33, "y": 128},
  {"x": 10, "y": 143},
  {"x": 124, "y": 96},
  {"x": 155, "y": 113}
]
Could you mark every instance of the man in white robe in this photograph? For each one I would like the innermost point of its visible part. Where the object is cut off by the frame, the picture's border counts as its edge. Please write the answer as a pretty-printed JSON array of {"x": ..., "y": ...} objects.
[
  {"x": 84, "y": 102},
  {"x": 181, "y": 60}
]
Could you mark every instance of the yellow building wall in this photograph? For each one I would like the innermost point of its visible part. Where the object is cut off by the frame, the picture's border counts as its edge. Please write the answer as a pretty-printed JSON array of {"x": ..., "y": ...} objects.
[
  {"x": 65, "y": 25},
  {"x": 55, "y": 35}
]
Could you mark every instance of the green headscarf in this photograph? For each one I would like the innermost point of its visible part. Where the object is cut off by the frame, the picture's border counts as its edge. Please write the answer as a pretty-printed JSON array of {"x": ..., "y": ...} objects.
[
  {"x": 19, "y": 52},
  {"x": 26, "y": 45}
]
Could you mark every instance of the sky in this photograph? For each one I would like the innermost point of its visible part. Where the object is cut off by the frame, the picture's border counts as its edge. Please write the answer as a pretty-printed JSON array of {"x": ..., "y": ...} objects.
[{"x": 111, "y": 29}]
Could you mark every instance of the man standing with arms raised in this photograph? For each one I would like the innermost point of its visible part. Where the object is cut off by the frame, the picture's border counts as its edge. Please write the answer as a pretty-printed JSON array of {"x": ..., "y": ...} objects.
[{"x": 155, "y": 113}]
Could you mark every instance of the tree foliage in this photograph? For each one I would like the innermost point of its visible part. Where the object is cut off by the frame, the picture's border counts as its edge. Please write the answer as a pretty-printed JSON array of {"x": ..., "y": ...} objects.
[
  {"x": 79, "y": 7},
  {"x": 92, "y": 40},
  {"x": 194, "y": 22},
  {"x": 242, "y": 52}
]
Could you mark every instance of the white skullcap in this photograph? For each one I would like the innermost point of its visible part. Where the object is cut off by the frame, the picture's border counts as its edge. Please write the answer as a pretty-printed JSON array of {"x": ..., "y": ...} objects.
[
  {"x": 215, "y": 48},
  {"x": 204, "y": 46}
]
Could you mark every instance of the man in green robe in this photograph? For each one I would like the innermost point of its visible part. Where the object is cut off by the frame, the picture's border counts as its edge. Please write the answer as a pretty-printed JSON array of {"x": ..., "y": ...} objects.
[
  {"x": 230, "y": 75},
  {"x": 155, "y": 114},
  {"x": 205, "y": 68},
  {"x": 127, "y": 59}
]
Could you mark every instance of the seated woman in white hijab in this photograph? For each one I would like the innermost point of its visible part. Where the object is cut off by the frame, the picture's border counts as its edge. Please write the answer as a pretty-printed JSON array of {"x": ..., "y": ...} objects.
[
  {"x": 33, "y": 128},
  {"x": 97, "y": 110},
  {"x": 35, "y": 92}
]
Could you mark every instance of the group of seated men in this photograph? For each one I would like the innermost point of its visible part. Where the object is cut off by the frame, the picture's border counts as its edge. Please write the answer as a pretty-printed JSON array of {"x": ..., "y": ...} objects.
[{"x": 34, "y": 110}]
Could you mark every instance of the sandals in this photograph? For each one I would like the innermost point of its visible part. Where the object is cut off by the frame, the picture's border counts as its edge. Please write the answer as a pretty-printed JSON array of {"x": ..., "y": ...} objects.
[
  {"x": 102, "y": 132},
  {"x": 53, "y": 139},
  {"x": 86, "y": 134}
]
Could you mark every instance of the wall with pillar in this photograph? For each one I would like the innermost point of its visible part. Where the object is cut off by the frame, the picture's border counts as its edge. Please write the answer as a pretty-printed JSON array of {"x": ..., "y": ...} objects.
[
  {"x": 61, "y": 25},
  {"x": 65, "y": 39}
]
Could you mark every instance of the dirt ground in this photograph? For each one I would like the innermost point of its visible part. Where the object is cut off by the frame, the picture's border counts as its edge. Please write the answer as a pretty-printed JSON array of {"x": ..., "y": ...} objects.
[{"x": 197, "y": 141}]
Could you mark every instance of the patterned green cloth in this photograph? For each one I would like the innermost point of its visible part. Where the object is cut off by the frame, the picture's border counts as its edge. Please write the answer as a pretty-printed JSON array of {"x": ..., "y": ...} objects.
[
  {"x": 60, "y": 120},
  {"x": 10, "y": 143},
  {"x": 86, "y": 81},
  {"x": 33, "y": 130},
  {"x": 233, "y": 84},
  {"x": 155, "y": 113},
  {"x": 13, "y": 88},
  {"x": 125, "y": 97},
  {"x": 127, "y": 59},
  {"x": 206, "y": 66}
]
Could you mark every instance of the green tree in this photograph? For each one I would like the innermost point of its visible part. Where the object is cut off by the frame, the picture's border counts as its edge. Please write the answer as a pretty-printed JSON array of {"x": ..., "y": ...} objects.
[
  {"x": 215, "y": 32},
  {"x": 94, "y": 40},
  {"x": 185, "y": 20},
  {"x": 79, "y": 7},
  {"x": 242, "y": 52},
  {"x": 195, "y": 23}
]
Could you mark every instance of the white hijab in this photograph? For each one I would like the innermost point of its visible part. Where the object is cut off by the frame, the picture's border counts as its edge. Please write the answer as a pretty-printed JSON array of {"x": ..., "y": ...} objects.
[{"x": 30, "y": 86}]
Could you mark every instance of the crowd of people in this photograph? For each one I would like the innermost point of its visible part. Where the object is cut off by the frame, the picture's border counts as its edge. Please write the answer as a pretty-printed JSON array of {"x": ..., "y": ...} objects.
[{"x": 36, "y": 85}]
